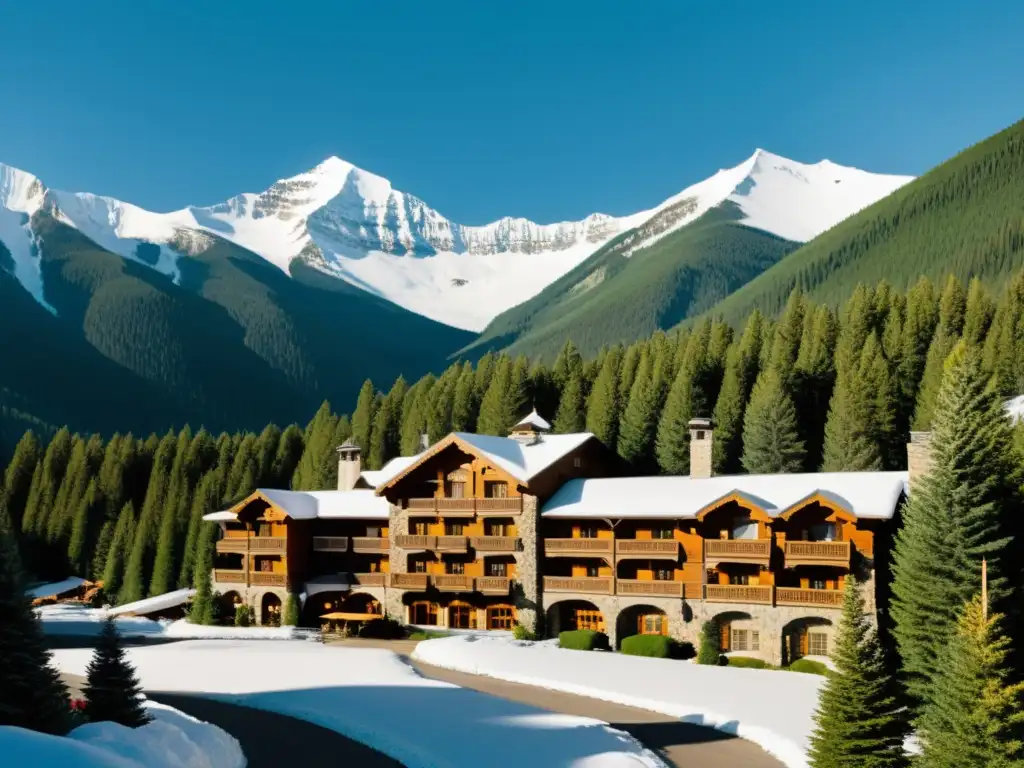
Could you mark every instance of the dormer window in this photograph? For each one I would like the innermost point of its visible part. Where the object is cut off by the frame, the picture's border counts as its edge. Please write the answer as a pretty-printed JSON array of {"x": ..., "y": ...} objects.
[{"x": 822, "y": 532}]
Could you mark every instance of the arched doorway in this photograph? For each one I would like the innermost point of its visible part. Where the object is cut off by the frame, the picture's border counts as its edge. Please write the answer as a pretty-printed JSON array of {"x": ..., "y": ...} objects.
[
  {"x": 360, "y": 602},
  {"x": 575, "y": 614},
  {"x": 461, "y": 615},
  {"x": 738, "y": 632},
  {"x": 641, "y": 620},
  {"x": 270, "y": 610},
  {"x": 809, "y": 636},
  {"x": 226, "y": 606}
]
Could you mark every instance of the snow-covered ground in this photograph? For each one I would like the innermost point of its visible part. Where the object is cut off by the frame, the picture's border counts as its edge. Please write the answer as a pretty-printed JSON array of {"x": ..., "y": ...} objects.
[
  {"x": 374, "y": 697},
  {"x": 172, "y": 740},
  {"x": 768, "y": 707}
]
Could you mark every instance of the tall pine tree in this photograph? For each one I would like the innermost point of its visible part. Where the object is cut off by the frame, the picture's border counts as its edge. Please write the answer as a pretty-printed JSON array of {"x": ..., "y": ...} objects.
[{"x": 771, "y": 441}]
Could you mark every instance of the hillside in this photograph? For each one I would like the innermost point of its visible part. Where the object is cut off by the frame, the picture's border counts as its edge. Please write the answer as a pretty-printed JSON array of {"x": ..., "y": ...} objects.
[
  {"x": 964, "y": 217},
  {"x": 694, "y": 250}
]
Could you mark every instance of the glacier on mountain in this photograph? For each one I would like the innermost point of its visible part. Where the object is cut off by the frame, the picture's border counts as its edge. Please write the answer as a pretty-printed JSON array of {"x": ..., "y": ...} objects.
[{"x": 354, "y": 225}]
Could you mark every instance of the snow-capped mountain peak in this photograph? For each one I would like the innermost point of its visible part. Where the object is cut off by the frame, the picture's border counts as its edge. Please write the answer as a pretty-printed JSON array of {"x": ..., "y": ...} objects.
[{"x": 355, "y": 225}]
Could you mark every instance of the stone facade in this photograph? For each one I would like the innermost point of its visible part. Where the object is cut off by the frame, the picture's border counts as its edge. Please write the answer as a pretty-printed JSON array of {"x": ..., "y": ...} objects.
[
  {"x": 526, "y": 587},
  {"x": 919, "y": 456},
  {"x": 252, "y": 596},
  {"x": 701, "y": 441},
  {"x": 398, "y": 562}
]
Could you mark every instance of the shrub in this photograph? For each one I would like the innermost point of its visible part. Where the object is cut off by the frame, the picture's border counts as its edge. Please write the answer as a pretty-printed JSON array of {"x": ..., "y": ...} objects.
[
  {"x": 657, "y": 646},
  {"x": 710, "y": 643},
  {"x": 519, "y": 632},
  {"x": 684, "y": 650},
  {"x": 749, "y": 663},
  {"x": 809, "y": 666},
  {"x": 583, "y": 640},
  {"x": 382, "y": 629},
  {"x": 242, "y": 616},
  {"x": 291, "y": 611}
]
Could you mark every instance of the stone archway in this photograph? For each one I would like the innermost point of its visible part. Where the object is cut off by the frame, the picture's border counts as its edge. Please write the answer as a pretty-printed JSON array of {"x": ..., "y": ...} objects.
[
  {"x": 270, "y": 610},
  {"x": 640, "y": 620},
  {"x": 361, "y": 602},
  {"x": 226, "y": 603},
  {"x": 807, "y": 636},
  {"x": 739, "y": 633},
  {"x": 575, "y": 614}
]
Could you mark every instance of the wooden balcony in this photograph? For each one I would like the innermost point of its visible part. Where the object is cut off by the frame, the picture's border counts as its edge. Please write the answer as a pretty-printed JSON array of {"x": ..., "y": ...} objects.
[
  {"x": 369, "y": 579},
  {"x": 330, "y": 543},
  {"x": 493, "y": 585},
  {"x": 758, "y": 551},
  {"x": 585, "y": 547},
  {"x": 267, "y": 579},
  {"x": 590, "y": 585},
  {"x": 834, "y": 553},
  {"x": 416, "y": 541},
  {"x": 409, "y": 580},
  {"x": 816, "y": 598},
  {"x": 229, "y": 577},
  {"x": 452, "y": 544},
  {"x": 738, "y": 593},
  {"x": 253, "y": 544},
  {"x": 649, "y": 587},
  {"x": 452, "y": 582},
  {"x": 494, "y": 543},
  {"x": 465, "y": 507},
  {"x": 647, "y": 548},
  {"x": 370, "y": 544}
]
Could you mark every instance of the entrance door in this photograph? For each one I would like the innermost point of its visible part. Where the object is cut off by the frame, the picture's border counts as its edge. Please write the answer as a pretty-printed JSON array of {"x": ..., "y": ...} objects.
[{"x": 462, "y": 617}]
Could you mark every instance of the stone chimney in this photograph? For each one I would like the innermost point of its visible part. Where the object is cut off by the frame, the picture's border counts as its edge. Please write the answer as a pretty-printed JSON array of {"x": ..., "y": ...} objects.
[
  {"x": 701, "y": 431},
  {"x": 350, "y": 465},
  {"x": 424, "y": 441},
  {"x": 919, "y": 456}
]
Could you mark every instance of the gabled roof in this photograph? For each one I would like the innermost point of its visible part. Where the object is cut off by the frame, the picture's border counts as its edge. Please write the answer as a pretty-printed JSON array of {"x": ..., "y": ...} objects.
[
  {"x": 310, "y": 505},
  {"x": 377, "y": 477},
  {"x": 522, "y": 461},
  {"x": 533, "y": 419},
  {"x": 863, "y": 494}
]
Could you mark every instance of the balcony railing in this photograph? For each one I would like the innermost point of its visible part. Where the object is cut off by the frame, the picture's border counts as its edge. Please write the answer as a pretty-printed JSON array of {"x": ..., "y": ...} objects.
[
  {"x": 738, "y": 550},
  {"x": 452, "y": 544},
  {"x": 416, "y": 541},
  {"x": 593, "y": 585},
  {"x": 493, "y": 585},
  {"x": 649, "y": 587},
  {"x": 465, "y": 507},
  {"x": 452, "y": 582},
  {"x": 253, "y": 544},
  {"x": 836, "y": 553},
  {"x": 409, "y": 580},
  {"x": 578, "y": 546},
  {"x": 369, "y": 579},
  {"x": 370, "y": 544},
  {"x": 267, "y": 579},
  {"x": 229, "y": 577},
  {"x": 330, "y": 543},
  {"x": 818, "y": 598},
  {"x": 653, "y": 548},
  {"x": 738, "y": 593},
  {"x": 494, "y": 543}
]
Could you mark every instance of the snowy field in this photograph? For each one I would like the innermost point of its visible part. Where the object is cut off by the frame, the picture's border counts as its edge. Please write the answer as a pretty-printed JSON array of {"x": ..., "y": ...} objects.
[
  {"x": 374, "y": 697},
  {"x": 768, "y": 707},
  {"x": 172, "y": 740}
]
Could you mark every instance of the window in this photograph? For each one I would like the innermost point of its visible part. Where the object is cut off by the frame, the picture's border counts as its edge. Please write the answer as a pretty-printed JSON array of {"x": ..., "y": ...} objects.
[
  {"x": 817, "y": 644},
  {"x": 745, "y": 640},
  {"x": 457, "y": 568},
  {"x": 423, "y": 614},
  {"x": 588, "y": 532},
  {"x": 593, "y": 571},
  {"x": 744, "y": 528},
  {"x": 497, "y": 569},
  {"x": 264, "y": 530},
  {"x": 739, "y": 578},
  {"x": 494, "y": 489},
  {"x": 373, "y": 533},
  {"x": 699, "y": 435},
  {"x": 577, "y": 462},
  {"x": 500, "y": 617},
  {"x": 823, "y": 532},
  {"x": 454, "y": 529},
  {"x": 419, "y": 566},
  {"x": 589, "y": 619},
  {"x": 653, "y": 624},
  {"x": 457, "y": 490},
  {"x": 817, "y": 584},
  {"x": 461, "y": 616},
  {"x": 495, "y": 529},
  {"x": 663, "y": 574},
  {"x": 419, "y": 528},
  {"x": 663, "y": 532}
]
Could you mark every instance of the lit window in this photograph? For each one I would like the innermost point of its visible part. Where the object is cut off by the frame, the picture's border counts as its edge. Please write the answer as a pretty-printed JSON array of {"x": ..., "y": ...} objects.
[
  {"x": 500, "y": 617},
  {"x": 652, "y": 624},
  {"x": 498, "y": 569}
]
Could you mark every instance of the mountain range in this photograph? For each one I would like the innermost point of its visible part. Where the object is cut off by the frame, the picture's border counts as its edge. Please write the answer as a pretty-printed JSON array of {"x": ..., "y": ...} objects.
[{"x": 255, "y": 309}]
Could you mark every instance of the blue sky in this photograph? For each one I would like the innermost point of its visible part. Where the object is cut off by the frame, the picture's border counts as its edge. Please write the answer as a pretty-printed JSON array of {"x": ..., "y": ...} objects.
[{"x": 549, "y": 110}]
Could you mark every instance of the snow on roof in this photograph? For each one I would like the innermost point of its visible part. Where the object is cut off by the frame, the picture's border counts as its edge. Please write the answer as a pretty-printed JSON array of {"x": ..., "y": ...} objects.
[
  {"x": 534, "y": 419},
  {"x": 55, "y": 588},
  {"x": 154, "y": 604},
  {"x": 866, "y": 494},
  {"x": 521, "y": 461},
  {"x": 377, "y": 477},
  {"x": 309, "y": 505}
]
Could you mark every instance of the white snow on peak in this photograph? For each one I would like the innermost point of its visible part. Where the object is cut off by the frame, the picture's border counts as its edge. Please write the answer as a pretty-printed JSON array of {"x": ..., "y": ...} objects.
[{"x": 355, "y": 225}]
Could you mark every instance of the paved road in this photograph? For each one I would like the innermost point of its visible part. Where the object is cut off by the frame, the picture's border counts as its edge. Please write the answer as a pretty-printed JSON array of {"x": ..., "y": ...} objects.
[
  {"x": 679, "y": 744},
  {"x": 268, "y": 739}
]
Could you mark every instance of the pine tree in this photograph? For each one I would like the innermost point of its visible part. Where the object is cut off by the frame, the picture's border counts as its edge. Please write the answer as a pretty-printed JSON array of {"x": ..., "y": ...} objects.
[
  {"x": 503, "y": 403},
  {"x": 931, "y": 380},
  {"x": 386, "y": 440},
  {"x": 639, "y": 419},
  {"x": 286, "y": 460},
  {"x": 124, "y": 536},
  {"x": 89, "y": 509},
  {"x": 18, "y": 476},
  {"x": 852, "y": 429},
  {"x": 964, "y": 509},
  {"x": 205, "y": 500},
  {"x": 415, "y": 408},
  {"x": 571, "y": 415},
  {"x": 31, "y": 692},
  {"x": 975, "y": 716},
  {"x": 771, "y": 441},
  {"x": 978, "y": 315},
  {"x": 859, "y": 721},
  {"x": 112, "y": 691},
  {"x": 362, "y": 416},
  {"x": 952, "y": 307},
  {"x": 318, "y": 437},
  {"x": 290, "y": 616},
  {"x": 710, "y": 650},
  {"x": 203, "y": 609},
  {"x": 672, "y": 444},
  {"x": 603, "y": 403},
  {"x": 464, "y": 406},
  {"x": 741, "y": 369}
]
